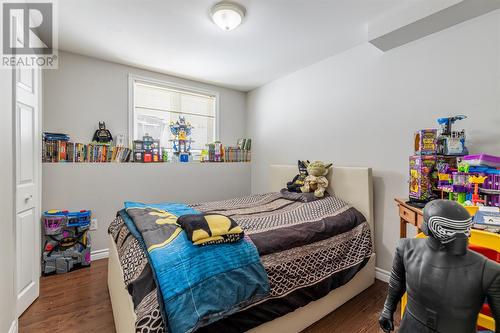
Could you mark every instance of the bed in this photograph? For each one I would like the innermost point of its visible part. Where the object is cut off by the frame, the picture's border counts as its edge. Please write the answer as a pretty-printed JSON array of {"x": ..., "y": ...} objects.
[{"x": 353, "y": 185}]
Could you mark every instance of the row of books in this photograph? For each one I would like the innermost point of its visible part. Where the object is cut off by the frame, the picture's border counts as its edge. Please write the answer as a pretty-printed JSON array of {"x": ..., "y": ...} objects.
[
  {"x": 233, "y": 154},
  {"x": 66, "y": 151}
]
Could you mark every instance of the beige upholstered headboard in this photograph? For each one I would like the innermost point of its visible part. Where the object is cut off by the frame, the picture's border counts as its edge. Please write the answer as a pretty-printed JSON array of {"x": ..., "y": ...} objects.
[{"x": 352, "y": 184}]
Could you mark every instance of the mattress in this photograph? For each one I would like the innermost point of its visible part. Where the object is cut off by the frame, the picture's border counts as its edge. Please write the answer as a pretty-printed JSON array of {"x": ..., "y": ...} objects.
[{"x": 308, "y": 248}]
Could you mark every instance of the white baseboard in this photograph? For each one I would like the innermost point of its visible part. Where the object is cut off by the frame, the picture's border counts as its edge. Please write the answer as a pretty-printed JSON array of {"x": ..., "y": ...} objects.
[
  {"x": 13, "y": 327},
  {"x": 99, "y": 254},
  {"x": 382, "y": 274}
]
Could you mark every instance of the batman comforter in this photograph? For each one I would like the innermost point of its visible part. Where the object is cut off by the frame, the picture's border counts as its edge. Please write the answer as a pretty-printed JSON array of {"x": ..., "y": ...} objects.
[{"x": 307, "y": 247}]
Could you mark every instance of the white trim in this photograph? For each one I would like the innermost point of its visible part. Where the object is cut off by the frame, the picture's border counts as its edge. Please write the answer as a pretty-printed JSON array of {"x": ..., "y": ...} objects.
[
  {"x": 382, "y": 274},
  {"x": 13, "y": 327},
  {"x": 99, "y": 254},
  {"x": 134, "y": 77}
]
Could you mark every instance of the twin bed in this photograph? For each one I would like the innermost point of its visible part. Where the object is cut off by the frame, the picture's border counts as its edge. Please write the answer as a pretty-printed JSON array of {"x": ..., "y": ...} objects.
[{"x": 317, "y": 255}]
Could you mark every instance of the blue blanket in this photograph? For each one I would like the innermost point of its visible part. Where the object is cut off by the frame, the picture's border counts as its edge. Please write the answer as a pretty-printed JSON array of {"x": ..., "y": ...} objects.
[{"x": 198, "y": 285}]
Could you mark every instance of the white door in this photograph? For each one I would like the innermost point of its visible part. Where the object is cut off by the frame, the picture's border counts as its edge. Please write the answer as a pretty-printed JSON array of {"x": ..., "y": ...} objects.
[{"x": 28, "y": 165}]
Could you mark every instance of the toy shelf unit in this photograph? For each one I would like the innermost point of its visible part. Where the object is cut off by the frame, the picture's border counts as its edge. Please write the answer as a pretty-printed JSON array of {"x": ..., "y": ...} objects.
[{"x": 66, "y": 241}]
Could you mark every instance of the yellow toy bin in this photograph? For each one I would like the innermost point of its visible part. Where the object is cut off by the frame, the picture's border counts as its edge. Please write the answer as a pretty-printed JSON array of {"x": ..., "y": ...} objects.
[{"x": 480, "y": 238}]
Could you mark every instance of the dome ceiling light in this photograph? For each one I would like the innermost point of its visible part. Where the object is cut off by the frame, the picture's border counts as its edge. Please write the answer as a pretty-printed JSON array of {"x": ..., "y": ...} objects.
[{"x": 227, "y": 15}]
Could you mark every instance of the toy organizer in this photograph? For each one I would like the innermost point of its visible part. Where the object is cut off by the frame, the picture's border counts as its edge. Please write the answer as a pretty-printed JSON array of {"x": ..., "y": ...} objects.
[{"x": 66, "y": 241}]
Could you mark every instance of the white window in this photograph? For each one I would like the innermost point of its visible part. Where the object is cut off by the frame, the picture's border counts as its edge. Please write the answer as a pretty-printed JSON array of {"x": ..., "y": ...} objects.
[{"x": 154, "y": 105}]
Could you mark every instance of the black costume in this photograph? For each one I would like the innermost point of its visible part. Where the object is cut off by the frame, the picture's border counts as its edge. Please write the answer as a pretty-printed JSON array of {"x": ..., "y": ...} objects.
[{"x": 446, "y": 283}]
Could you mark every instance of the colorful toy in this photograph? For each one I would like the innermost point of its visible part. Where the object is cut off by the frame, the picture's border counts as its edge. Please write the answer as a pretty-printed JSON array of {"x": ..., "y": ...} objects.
[
  {"x": 316, "y": 181},
  {"x": 482, "y": 160},
  {"x": 455, "y": 182},
  {"x": 79, "y": 219},
  {"x": 486, "y": 165},
  {"x": 426, "y": 142},
  {"x": 491, "y": 187},
  {"x": 181, "y": 130},
  {"x": 147, "y": 150},
  {"x": 53, "y": 222},
  {"x": 421, "y": 168},
  {"x": 164, "y": 154},
  {"x": 451, "y": 142},
  {"x": 67, "y": 241},
  {"x": 476, "y": 180},
  {"x": 470, "y": 186}
]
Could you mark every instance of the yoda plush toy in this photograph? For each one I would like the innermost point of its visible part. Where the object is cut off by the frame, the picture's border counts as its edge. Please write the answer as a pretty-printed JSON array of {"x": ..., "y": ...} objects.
[{"x": 316, "y": 181}]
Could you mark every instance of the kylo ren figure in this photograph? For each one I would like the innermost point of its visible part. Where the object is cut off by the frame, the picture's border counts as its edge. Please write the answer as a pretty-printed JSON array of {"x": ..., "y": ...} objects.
[{"x": 446, "y": 283}]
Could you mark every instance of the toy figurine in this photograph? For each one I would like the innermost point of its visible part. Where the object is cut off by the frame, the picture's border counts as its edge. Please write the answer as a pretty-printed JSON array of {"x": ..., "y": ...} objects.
[
  {"x": 102, "y": 135},
  {"x": 451, "y": 142},
  {"x": 316, "y": 181},
  {"x": 446, "y": 282},
  {"x": 181, "y": 143},
  {"x": 298, "y": 181}
]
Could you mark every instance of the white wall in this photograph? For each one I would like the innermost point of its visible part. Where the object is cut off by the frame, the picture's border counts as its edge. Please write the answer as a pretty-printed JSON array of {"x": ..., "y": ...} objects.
[
  {"x": 103, "y": 187},
  {"x": 360, "y": 108},
  {"x": 7, "y": 291},
  {"x": 84, "y": 91}
]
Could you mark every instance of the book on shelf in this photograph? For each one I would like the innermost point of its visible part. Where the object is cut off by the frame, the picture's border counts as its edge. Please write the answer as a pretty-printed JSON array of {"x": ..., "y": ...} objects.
[
  {"x": 235, "y": 154},
  {"x": 54, "y": 151}
]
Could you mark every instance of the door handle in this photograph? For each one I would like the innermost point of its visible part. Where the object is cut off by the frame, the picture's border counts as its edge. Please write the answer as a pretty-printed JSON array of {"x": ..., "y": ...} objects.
[{"x": 28, "y": 198}]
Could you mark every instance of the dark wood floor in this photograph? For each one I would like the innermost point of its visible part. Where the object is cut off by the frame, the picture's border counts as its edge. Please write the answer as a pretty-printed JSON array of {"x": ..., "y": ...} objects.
[{"x": 79, "y": 302}]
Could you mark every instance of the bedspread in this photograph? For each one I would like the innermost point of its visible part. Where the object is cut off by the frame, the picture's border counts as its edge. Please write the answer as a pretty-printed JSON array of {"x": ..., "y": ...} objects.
[
  {"x": 231, "y": 275},
  {"x": 306, "y": 248}
]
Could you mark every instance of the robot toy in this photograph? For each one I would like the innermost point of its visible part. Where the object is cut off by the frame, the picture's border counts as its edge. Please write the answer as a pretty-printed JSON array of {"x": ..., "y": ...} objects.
[{"x": 181, "y": 130}]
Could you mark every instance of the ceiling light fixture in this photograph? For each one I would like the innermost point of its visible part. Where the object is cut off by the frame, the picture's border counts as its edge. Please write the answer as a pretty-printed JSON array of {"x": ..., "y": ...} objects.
[{"x": 227, "y": 15}]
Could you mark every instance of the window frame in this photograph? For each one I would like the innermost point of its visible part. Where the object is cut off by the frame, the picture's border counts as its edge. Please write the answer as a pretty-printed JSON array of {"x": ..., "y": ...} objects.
[{"x": 133, "y": 78}]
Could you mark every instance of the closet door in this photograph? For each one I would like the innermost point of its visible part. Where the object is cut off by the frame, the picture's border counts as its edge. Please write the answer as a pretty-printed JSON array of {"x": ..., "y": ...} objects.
[{"x": 28, "y": 165}]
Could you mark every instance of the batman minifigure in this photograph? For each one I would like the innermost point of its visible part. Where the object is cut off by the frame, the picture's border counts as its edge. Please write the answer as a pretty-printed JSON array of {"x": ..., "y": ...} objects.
[{"x": 102, "y": 135}]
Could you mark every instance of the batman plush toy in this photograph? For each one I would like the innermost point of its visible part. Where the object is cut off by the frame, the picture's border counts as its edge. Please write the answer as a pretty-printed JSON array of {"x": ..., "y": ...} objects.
[{"x": 298, "y": 181}]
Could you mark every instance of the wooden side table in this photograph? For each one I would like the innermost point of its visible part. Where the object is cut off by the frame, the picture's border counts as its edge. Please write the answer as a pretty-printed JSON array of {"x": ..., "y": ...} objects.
[{"x": 408, "y": 215}]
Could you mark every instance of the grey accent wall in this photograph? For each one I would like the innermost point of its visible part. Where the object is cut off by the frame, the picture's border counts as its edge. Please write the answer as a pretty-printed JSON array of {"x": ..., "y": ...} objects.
[
  {"x": 7, "y": 236},
  {"x": 361, "y": 108}
]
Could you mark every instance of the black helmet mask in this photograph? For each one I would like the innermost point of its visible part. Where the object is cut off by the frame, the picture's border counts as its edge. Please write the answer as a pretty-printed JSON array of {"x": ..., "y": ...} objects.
[{"x": 448, "y": 223}]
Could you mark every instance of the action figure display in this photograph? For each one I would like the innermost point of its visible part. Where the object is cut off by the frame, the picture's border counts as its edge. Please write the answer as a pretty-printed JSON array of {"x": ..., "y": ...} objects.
[{"x": 446, "y": 282}]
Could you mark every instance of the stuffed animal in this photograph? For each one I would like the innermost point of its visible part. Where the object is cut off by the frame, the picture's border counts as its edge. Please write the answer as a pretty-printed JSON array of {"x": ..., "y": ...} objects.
[
  {"x": 316, "y": 181},
  {"x": 298, "y": 181}
]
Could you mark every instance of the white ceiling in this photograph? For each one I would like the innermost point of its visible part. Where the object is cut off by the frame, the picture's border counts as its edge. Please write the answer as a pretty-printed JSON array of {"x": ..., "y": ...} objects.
[{"x": 177, "y": 37}]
